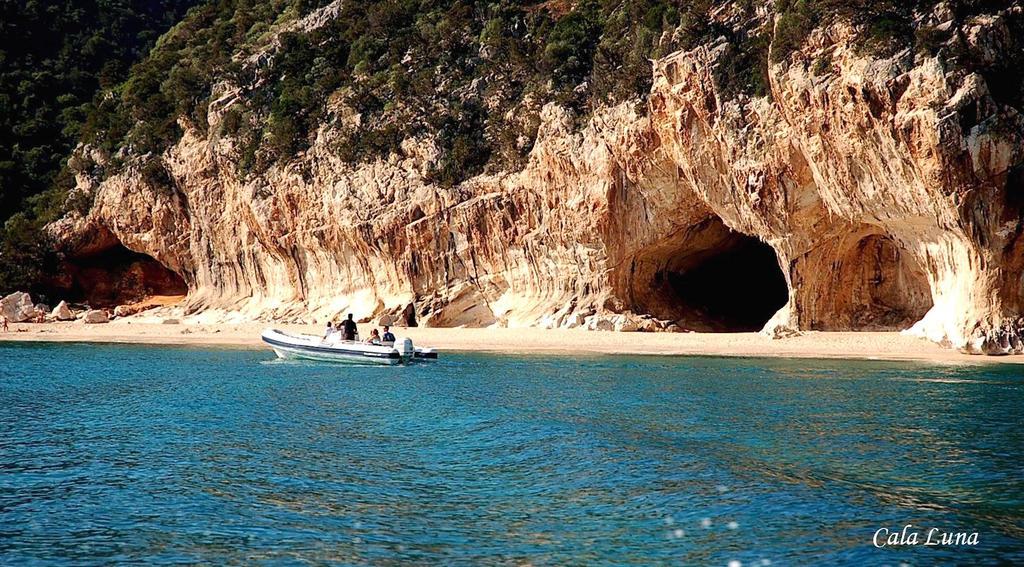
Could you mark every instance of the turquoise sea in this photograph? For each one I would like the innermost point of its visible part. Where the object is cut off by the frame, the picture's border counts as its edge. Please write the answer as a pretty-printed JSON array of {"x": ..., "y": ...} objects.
[{"x": 154, "y": 455}]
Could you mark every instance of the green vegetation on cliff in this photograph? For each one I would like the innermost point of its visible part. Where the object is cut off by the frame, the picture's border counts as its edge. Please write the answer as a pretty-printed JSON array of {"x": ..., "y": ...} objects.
[
  {"x": 54, "y": 57},
  {"x": 472, "y": 75}
]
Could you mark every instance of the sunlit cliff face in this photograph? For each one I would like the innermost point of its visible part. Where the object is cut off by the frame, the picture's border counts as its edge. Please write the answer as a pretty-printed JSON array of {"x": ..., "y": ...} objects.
[{"x": 851, "y": 197}]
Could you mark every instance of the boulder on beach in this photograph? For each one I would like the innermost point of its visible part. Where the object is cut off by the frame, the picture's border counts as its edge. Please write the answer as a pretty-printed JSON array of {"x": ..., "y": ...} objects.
[
  {"x": 18, "y": 307},
  {"x": 125, "y": 310},
  {"x": 96, "y": 316},
  {"x": 626, "y": 323},
  {"x": 62, "y": 312}
]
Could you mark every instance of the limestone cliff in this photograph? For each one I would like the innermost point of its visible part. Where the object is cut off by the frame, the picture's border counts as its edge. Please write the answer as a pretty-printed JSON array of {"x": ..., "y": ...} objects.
[{"x": 860, "y": 192}]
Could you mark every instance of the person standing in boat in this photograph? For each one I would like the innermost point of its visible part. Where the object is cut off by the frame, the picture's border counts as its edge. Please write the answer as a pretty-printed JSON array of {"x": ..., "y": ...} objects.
[
  {"x": 348, "y": 330},
  {"x": 330, "y": 330}
]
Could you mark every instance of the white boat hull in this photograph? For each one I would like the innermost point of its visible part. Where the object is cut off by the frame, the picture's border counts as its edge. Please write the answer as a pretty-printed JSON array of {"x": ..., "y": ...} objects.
[{"x": 307, "y": 347}]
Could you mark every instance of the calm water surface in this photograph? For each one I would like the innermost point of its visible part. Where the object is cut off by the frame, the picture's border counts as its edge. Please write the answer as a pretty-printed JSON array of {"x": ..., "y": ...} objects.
[{"x": 112, "y": 454}]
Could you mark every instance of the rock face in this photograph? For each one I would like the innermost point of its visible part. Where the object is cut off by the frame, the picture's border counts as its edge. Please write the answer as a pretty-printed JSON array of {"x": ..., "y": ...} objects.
[
  {"x": 18, "y": 307},
  {"x": 62, "y": 312},
  {"x": 868, "y": 193}
]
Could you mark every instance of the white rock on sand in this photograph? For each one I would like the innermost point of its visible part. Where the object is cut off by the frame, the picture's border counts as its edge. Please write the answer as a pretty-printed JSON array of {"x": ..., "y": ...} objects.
[
  {"x": 18, "y": 307},
  {"x": 62, "y": 312},
  {"x": 96, "y": 316}
]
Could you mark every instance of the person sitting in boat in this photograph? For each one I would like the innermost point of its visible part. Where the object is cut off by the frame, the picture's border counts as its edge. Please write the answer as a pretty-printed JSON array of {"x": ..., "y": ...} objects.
[
  {"x": 348, "y": 329},
  {"x": 330, "y": 331},
  {"x": 388, "y": 337},
  {"x": 374, "y": 337}
]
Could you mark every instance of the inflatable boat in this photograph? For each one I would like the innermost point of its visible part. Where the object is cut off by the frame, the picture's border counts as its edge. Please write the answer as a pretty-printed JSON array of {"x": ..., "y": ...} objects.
[
  {"x": 309, "y": 347},
  {"x": 424, "y": 354}
]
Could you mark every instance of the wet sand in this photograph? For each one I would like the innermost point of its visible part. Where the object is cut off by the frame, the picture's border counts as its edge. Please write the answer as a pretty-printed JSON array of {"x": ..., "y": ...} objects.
[{"x": 851, "y": 345}]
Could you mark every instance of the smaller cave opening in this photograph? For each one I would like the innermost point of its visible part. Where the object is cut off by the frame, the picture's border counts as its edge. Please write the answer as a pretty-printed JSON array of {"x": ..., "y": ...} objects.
[
  {"x": 869, "y": 283},
  {"x": 711, "y": 280},
  {"x": 116, "y": 276}
]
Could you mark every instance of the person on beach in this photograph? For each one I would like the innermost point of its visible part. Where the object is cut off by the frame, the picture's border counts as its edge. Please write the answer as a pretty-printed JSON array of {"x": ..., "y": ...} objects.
[
  {"x": 388, "y": 336},
  {"x": 3, "y": 319},
  {"x": 349, "y": 329},
  {"x": 374, "y": 337}
]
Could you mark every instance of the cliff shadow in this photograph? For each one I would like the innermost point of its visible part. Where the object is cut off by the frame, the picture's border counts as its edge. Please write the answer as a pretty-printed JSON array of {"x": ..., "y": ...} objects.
[{"x": 709, "y": 278}]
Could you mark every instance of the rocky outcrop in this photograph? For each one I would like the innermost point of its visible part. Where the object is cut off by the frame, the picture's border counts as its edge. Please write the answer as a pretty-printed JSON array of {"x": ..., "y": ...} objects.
[
  {"x": 18, "y": 307},
  {"x": 882, "y": 203},
  {"x": 62, "y": 312},
  {"x": 865, "y": 193}
]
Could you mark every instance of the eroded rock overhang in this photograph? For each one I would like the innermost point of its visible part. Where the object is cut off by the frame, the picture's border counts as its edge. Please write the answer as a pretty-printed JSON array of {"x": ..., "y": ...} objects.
[{"x": 885, "y": 191}]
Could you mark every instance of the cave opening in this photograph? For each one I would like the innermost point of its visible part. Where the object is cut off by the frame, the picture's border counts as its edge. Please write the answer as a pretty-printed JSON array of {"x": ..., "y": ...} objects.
[
  {"x": 711, "y": 280},
  {"x": 869, "y": 283},
  {"x": 117, "y": 276}
]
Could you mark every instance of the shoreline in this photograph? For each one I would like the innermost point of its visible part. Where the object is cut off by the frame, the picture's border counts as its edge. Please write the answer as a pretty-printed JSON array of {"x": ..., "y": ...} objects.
[{"x": 861, "y": 345}]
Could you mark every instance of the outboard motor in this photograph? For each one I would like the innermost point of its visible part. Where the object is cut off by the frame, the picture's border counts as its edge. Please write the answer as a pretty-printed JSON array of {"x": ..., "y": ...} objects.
[{"x": 405, "y": 347}]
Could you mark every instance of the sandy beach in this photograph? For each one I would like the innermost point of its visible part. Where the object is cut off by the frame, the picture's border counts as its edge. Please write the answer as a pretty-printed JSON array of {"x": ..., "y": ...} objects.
[{"x": 852, "y": 345}]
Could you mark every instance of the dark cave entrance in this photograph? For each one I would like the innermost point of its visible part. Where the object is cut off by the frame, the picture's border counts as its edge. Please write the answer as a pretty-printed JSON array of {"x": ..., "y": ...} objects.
[
  {"x": 117, "y": 275},
  {"x": 738, "y": 288},
  {"x": 711, "y": 280}
]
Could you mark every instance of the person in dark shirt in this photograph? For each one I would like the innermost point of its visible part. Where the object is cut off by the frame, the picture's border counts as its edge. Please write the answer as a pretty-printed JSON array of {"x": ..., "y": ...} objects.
[
  {"x": 348, "y": 329},
  {"x": 388, "y": 336}
]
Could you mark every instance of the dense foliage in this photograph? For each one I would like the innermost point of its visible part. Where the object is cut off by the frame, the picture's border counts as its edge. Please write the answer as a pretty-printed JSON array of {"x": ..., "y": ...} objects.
[
  {"x": 471, "y": 74},
  {"x": 55, "y": 56}
]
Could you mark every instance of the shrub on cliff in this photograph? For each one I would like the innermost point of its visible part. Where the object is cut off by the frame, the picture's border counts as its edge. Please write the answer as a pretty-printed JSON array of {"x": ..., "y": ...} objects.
[
  {"x": 53, "y": 57},
  {"x": 407, "y": 68}
]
